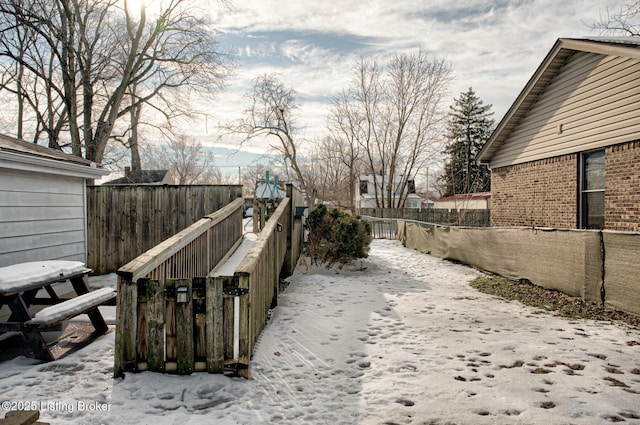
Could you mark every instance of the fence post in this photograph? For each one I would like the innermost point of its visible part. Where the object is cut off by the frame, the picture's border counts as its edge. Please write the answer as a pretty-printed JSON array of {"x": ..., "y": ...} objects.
[
  {"x": 245, "y": 328},
  {"x": 125, "y": 346}
]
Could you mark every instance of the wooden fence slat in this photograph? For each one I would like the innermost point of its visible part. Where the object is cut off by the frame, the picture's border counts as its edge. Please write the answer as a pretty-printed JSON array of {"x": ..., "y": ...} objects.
[
  {"x": 171, "y": 350},
  {"x": 199, "y": 323},
  {"x": 184, "y": 330},
  {"x": 155, "y": 325},
  {"x": 141, "y": 340},
  {"x": 215, "y": 325},
  {"x": 244, "y": 352},
  {"x": 228, "y": 308}
]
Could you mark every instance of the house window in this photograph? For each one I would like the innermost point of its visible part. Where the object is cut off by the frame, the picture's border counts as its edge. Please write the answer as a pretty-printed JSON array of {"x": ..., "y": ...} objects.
[
  {"x": 364, "y": 187},
  {"x": 592, "y": 190}
]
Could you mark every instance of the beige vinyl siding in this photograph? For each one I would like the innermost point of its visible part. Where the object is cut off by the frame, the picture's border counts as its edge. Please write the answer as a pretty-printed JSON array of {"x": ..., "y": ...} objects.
[
  {"x": 42, "y": 217},
  {"x": 596, "y": 98}
]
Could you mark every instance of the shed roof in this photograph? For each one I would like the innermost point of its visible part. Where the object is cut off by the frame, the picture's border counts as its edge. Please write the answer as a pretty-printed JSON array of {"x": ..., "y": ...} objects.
[
  {"x": 555, "y": 59},
  {"x": 18, "y": 154},
  {"x": 11, "y": 144}
]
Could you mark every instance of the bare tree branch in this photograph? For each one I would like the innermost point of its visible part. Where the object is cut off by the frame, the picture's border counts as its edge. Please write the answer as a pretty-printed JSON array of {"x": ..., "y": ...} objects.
[
  {"x": 186, "y": 158},
  {"x": 623, "y": 22},
  {"x": 91, "y": 55},
  {"x": 393, "y": 113},
  {"x": 271, "y": 115}
]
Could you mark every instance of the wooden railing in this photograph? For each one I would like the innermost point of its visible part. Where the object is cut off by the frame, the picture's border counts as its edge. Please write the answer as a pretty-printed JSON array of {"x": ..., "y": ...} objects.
[
  {"x": 259, "y": 272},
  {"x": 190, "y": 253},
  {"x": 382, "y": 228},
  {"x": 175, "y": 315}
]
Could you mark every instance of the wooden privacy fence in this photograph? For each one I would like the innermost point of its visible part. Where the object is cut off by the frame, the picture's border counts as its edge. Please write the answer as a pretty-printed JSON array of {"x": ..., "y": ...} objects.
[
  {"x": 174, "y": 317},
  {"x": 125, "y": 221},
  {"x": 474, "y": 218}
]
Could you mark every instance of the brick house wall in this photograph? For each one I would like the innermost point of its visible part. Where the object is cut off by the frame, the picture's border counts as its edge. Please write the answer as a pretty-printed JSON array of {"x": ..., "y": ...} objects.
[
  {"x": 539, "y": 193},
  {"x": 622, "y": 187},
  {"x": 545, "y": 192}
]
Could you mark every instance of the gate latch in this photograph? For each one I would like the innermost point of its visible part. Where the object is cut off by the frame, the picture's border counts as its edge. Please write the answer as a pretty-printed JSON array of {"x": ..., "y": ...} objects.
[{"x": 236, "y": 292}]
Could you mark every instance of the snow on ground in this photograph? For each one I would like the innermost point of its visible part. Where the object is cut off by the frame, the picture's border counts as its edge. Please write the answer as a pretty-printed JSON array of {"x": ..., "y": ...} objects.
[{"x": 399, "y": 337}]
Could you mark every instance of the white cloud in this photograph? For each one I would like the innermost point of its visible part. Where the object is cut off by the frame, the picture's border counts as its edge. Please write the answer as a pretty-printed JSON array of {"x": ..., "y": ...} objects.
[{"x": 493, "y": 47}]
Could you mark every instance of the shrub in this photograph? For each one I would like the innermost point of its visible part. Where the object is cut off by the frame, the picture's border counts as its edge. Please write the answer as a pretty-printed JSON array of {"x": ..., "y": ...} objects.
[{"x": 336, "y": 236}]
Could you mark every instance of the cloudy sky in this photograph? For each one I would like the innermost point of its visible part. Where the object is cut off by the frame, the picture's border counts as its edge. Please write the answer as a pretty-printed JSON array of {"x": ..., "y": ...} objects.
[{"x": 493, "y": 46}]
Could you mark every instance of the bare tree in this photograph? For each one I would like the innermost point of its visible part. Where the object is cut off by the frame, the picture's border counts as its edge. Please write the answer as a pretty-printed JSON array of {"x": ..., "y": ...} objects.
[
  {"x": 271, "y": 115},
  {"x": 33, "y": 94},
  {"x": 623, "y": 22},
  {"x": 345, "y": 127},
  {"x": 94, "y": 52},
  {"x": 186, "y": 158},
  {"x": 394, "y": 113}
]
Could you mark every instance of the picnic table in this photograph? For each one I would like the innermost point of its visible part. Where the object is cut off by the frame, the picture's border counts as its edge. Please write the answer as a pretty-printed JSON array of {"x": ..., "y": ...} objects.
[{"x": 20, "y": 285}]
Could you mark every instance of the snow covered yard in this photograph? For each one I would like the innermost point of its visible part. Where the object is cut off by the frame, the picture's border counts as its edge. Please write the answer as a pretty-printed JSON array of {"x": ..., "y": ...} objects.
[{"x": 399, "y": 337}]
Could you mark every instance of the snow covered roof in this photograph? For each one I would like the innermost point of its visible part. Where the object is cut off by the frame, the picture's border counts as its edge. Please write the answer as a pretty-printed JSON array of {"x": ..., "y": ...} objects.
[{"x": 628, "y": 40}]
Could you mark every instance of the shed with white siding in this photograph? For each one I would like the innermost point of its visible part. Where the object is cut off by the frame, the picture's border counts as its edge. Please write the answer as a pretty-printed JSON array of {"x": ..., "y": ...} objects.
[{"x": 42, "y": 203}]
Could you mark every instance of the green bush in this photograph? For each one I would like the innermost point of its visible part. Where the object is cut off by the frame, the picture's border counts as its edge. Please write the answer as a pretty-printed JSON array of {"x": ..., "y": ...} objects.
[{"x": 336, "y": 236}]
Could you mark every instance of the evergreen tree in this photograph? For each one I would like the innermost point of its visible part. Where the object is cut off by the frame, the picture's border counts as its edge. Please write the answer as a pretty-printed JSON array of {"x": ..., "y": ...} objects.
[{"x": 468, "y": 129}]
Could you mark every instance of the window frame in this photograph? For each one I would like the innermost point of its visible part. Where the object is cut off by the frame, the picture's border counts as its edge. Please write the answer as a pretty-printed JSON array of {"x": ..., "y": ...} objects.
[{"x": 583, "y": 222}]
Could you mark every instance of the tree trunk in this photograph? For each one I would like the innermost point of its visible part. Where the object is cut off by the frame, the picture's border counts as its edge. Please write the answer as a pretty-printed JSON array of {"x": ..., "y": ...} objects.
[{"x": 136, "y": 164}]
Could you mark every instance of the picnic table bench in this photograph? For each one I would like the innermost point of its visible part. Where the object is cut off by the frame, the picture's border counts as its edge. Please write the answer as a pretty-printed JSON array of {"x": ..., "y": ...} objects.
[{"x": 19, "y": 287}]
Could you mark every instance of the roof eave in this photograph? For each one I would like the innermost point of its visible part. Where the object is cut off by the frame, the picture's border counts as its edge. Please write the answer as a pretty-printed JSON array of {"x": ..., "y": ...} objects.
[
  {"x": 487, "y": 151},
  {"x": 552, "y": 62},
  {"x": 19, "y": 161}
]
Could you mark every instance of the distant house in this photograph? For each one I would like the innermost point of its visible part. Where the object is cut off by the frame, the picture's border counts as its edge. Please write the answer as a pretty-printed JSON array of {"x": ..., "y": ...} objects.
[
  {"x": 567, "y": 152},
  {"x": 428, "y": 203},
  {"x": 42, "y": 203},
  {"x": 465, "y": 201},
  {"x": 147, "y": 177},
  {"x": 368, "y": 185}
]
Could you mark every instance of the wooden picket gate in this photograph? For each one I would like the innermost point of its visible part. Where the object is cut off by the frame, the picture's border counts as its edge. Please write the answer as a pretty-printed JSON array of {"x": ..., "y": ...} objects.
[{"x": 185, "y": 337}]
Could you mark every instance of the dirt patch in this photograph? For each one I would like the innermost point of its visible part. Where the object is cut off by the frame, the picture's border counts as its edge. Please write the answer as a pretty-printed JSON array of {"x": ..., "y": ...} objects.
[{"x": 552, "y": 301}]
